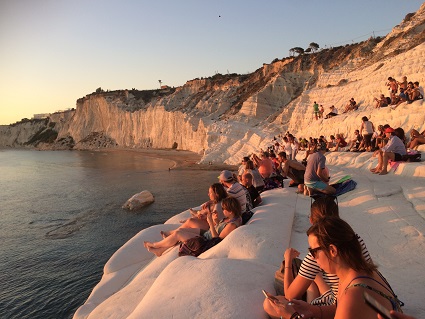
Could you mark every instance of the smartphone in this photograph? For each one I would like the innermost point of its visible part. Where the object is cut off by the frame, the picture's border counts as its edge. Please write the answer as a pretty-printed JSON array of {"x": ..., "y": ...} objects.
[
  {"x": 375, "y": 305},
  {"x": 270, "y": 297}
]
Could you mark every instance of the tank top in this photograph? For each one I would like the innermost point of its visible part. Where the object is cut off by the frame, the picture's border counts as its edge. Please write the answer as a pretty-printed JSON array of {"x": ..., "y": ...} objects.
[{"x": 367, "y": 127}]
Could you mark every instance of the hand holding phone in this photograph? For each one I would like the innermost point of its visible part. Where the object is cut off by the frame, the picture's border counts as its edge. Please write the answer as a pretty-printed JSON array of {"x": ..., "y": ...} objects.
[
  {"x": 375, "y": 305},
  {"x": 270, "y": 297}
]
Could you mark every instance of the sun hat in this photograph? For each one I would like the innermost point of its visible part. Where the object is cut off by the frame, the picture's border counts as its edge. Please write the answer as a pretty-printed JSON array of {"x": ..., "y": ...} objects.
[{"x": 226, "y": 176}]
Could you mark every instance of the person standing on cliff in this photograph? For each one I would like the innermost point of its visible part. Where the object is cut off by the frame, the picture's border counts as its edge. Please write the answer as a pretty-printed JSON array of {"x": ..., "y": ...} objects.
[{"x": 316, "y": 110}]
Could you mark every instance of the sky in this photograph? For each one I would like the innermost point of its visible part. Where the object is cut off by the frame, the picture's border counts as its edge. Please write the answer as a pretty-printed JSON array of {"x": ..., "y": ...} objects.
[{"x": 53, "y": 52}]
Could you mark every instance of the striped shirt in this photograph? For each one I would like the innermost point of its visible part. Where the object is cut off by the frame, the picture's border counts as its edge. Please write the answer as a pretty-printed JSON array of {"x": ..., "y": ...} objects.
[
  {"x": 239, "y": 192},
  {"x": 309, "y": 268}
]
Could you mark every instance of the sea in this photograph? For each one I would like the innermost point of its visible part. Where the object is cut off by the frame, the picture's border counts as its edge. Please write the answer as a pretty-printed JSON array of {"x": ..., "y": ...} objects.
[{"x": 61, "y": 220}]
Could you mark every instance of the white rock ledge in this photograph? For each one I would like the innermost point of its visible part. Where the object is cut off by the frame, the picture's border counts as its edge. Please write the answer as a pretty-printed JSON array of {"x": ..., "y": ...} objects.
[{"x": 226, "y": 281}]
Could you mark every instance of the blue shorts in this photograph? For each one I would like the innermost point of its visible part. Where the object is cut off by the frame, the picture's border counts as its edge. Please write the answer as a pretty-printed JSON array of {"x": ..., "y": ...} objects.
[{"x": 316, "y": 184}]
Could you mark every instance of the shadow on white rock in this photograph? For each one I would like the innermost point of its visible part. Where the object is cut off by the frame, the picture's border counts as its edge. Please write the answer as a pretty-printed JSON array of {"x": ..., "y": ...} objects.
[{"x": 139, "y": 200}]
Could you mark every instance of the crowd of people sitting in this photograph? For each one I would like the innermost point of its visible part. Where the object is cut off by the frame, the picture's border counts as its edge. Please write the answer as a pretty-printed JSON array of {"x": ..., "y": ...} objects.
[
  {"x": 400, "y": 92},
  {"x": 316, "y": 288},
  {"x": 332, "y": 281},
  {"x": 257, "y": 173}
]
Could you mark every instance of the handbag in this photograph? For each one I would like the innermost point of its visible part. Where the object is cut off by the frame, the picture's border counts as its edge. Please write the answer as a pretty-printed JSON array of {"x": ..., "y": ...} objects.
[{"x": 197, "y": 245}]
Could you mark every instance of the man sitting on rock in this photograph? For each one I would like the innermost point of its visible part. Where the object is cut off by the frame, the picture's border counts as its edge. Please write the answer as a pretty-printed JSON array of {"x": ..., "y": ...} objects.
[
  {"x": 255, "y": 196},
  {"x": 316, "y": 176},
  {"x": 265, "y": 165},
  {"x": 292, "y": 169},
  {"x": 381, "y": 102},
  {"x": 355, "y": 141},
  {"x": 393, "y": 150},
  {"x": 351, "y": 106},
  {"x": 236, "y": 190}
]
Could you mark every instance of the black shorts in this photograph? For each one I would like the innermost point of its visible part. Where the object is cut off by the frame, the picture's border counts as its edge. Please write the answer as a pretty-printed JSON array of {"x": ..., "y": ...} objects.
[
  {"x": 297, "y": 175},
  {"x": 397, "y": 157}
]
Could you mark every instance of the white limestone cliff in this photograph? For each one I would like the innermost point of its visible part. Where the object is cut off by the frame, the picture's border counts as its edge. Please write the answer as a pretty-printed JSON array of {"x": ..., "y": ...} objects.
[{"x": 227, "y": 116}]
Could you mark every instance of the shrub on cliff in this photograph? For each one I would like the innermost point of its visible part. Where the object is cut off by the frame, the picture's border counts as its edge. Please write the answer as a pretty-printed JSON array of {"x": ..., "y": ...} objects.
[{"x": 45, "y": 135}]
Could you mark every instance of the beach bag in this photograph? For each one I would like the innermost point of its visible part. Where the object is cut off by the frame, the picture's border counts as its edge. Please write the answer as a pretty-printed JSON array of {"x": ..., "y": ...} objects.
[
  {"x": 246, "y": 216},
  {"x": 197, "y": 245},
  {"x": 344, "y": 187},
  {"x": 412, "y": 157},
  {"x": 279, "y": 275},
  {"x": 269, "y": 183},
  {"x": 396, "y": 303}
]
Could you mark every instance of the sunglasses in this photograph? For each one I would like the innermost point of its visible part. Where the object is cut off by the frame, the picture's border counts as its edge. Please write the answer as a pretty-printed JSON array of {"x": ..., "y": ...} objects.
[{"x": 313, "y": 251}]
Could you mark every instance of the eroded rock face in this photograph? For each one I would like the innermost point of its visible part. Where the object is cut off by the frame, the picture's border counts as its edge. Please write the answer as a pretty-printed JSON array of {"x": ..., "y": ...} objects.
[
  {"x": 225, "y": 117},
  {"x": 139, "y": 200}
]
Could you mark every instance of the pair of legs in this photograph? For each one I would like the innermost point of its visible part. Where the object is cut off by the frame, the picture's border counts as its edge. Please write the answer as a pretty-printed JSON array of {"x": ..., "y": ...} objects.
[
  {"x": 321, "y": 187},
  {"x": 383, "y": 158},
  {"x": 317, "y": 288},
  {"x": 367, "y": 141},
  {"x": 180, "y": 234},
  {"x": 417, "y": 141},
  {"x": 193, "y": 222}
]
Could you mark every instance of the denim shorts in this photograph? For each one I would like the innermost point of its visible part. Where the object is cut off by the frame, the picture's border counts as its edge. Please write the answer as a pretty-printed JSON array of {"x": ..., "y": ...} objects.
[{"x": 316, "y": 184}]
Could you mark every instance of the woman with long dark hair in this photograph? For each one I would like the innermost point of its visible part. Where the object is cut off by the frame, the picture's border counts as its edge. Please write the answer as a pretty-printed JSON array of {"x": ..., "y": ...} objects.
[{"x": 336, "y": 249}]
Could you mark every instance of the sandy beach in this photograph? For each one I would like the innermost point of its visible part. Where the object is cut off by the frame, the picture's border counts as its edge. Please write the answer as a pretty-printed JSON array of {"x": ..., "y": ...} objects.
[{"x": 182, "y": 159}]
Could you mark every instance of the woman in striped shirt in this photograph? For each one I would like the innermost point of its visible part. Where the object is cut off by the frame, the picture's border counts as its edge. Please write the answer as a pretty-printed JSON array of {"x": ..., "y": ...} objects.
[{"x": 321, "y": 287}]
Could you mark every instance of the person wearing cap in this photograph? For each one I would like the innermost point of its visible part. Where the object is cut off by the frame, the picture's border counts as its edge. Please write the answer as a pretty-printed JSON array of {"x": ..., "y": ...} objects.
[
  {"x": 393, "y": 150},
  {"x": 235, "y": 189},
  {"x": 316, "y": 176}
]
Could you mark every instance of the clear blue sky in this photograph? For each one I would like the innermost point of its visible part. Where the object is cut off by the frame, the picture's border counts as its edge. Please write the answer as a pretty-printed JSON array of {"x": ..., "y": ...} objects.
[{"x": 53, "y": 52}]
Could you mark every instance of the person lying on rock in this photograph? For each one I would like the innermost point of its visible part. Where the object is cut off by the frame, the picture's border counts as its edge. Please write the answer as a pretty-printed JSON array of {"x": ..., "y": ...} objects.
[
  {"x": 217, "y": 228},
  {"x": 216, "y": 193}
]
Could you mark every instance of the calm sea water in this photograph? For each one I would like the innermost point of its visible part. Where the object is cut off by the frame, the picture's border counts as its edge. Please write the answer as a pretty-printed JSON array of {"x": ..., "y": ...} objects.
[{"x": 61, "y": 220}]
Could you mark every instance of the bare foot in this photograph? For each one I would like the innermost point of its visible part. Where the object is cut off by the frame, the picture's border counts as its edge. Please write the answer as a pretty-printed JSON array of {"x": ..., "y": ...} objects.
[
  {"x": 373, "y": 170},
  {"x": 165, "y": 234},
  {"x": 148, "y": 244},
  {"x": 157, "y": 251},
  {"x": 383, "y": 172},
  {"x": 193, "y": 212},
  {"x": 377, "y": 172}
]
